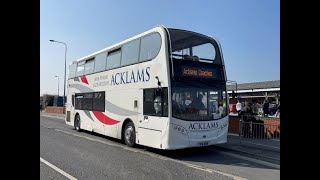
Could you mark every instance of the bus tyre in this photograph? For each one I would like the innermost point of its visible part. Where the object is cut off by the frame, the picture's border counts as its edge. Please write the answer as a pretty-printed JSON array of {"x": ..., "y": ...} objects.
[
  {"x": 129, "y": 134},
  {"x": 77, "y": 123}
]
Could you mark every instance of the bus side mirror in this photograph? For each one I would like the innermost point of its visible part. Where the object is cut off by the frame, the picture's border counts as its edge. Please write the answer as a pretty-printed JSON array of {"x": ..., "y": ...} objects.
[{"x": 159, "y": 83}]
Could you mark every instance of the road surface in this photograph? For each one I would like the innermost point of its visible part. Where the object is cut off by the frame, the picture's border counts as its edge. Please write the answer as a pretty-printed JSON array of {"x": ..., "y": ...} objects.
[{"x": 67, "y": 154}]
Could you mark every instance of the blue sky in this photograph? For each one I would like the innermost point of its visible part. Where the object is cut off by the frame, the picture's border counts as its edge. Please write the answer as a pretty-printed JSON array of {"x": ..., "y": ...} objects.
[{"x": 248, "y": 30}]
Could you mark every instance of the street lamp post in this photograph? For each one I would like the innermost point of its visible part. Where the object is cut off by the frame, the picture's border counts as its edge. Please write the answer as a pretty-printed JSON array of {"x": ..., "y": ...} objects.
[
  {"x": 58, "y": 84},
  {"x": 65, "y": 71}
]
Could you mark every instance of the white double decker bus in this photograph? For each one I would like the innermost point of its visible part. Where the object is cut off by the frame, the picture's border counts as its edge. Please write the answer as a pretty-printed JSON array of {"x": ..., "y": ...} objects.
[{"x": 164, "y": 88}]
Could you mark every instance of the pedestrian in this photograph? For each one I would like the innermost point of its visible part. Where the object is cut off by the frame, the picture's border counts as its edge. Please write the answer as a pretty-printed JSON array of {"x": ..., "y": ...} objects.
[
  {"x": 238, "y": 107},
  {"x": 245, "y": 115},
  {"x": 278, "y": 111},
  {"x": 247, "y": 108},
  {"x": 254, "y": 108},
  {"x": 266, "y": 108},
  {"x": 221, "y": 109}
]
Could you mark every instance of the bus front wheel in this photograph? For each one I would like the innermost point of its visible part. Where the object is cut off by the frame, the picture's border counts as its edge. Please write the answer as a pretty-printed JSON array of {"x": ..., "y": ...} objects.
[
  {"x": 77, "y": 123},
  {"x": 130, "y": 134}
]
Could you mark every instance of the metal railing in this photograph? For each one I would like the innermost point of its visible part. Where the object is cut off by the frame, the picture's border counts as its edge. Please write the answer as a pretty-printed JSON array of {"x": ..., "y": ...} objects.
[{"x": 261, "y": 131}]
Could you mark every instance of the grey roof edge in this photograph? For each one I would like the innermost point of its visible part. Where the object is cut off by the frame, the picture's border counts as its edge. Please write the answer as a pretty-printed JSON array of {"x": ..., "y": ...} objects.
[{"x": 255, "y": 85}]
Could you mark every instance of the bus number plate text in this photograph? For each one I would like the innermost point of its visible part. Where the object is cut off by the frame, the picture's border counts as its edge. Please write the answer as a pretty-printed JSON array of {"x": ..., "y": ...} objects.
[{"x": 203, "y": 143}]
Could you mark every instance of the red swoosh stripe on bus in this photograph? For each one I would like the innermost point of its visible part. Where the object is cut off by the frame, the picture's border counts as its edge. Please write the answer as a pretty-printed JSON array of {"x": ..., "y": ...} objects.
[
  {"x": 104, "y": 119},
  {"x": 84, "y": 79}
]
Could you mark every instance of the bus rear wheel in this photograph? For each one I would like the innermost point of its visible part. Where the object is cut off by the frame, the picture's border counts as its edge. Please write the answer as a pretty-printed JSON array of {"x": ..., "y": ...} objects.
[
  {"x": 129, "y": 134},
  {"x": 77, "y": 123}
]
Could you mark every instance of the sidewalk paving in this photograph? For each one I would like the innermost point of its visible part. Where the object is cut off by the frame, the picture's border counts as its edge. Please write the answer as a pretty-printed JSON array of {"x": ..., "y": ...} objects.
[
  {"x": 52, "y": 114},
  {"x": 264, "y": 152}
]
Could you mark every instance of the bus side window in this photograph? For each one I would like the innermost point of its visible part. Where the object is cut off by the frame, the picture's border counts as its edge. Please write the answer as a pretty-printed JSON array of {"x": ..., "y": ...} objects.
[
  {"x": 148, "y": 102},
  {"x": 155, "y": 102}
]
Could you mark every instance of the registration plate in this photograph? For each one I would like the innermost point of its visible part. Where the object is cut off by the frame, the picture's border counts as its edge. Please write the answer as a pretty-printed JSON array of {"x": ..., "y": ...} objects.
[{"x": 203, "y": 143}]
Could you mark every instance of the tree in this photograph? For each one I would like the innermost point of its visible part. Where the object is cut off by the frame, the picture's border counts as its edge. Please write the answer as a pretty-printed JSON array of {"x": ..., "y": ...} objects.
[{"x": 47, "y": 100}]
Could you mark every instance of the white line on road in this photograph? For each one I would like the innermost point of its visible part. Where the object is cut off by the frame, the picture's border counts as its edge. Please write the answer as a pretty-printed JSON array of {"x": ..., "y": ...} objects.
[
  {"x": 239, "y": 164},
  {"x": 249, "y": 159},
  {"x": 210, "y": 170},
  {"x": 258, "y": 144},
  {"x": 157, "y": 156},
  {"x": 58, "y": 117},
  {"x": 57, "y": 169}
]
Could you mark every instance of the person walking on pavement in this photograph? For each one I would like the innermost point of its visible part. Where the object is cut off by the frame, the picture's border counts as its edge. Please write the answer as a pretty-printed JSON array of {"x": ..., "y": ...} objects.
[
  {"x": 266, "y": 108},
  {"x": 245, "y": 116},
  {"x": 221, "y": 109},
  {"x": 238, "y": 107},
  {"x": 254, "y": 108},
  {"x": 278, "y": 111}
]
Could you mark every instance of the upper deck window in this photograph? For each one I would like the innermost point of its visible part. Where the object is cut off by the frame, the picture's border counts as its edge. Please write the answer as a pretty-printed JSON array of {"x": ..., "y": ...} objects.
[
  {"x": 113, "y": 59},
  {"x": 88, "y": 67},
  {"x": 80, "y": 68},
  {"x": 72, "y": 70},
  {"x": 130, "y": 53},
  {"x": 193, "y": 46},
  {"x": 100, "y": 62},
  {"x": 150, "y": 47}
]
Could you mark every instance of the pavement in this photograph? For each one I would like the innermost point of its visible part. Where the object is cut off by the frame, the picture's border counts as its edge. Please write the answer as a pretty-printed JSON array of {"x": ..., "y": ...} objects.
[
  {"x": 269, "y": 151},
  {"x": 52, "y": 114},
  {"x": 265, "y": 152}
]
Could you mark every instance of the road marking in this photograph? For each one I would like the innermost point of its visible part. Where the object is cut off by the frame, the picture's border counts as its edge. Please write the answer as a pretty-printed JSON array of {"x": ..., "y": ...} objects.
[
  {"x": 157, "y": 156},
  {"x": 57, "y": 169},
  {"x": 232, "y": 134},
  {"x": 208, "y": 169},
  {"x": 257, "y": 144},
  {"x": 249, "y": 159},
  {"x": 200, "y": 168},
  {"x": 241, "y": 164},
  {"x": 57, "y": 117},
  {"x": 91, "y": 139}
]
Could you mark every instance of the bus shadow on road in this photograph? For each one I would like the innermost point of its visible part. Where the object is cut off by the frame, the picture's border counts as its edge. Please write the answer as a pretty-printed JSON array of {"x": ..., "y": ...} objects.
[{"x": 115, "y": 140}]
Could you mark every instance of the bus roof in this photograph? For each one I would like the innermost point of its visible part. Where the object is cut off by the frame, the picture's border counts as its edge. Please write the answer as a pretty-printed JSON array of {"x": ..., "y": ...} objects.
[{"x": 115, "y": 46}]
